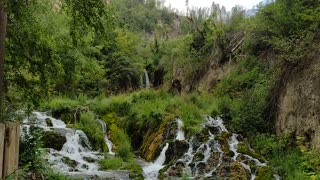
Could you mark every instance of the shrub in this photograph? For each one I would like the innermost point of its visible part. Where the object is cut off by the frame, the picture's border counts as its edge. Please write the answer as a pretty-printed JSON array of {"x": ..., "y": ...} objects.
[
  {"x": 91, "y": 126},
  {"x": 112, "y": 163}
]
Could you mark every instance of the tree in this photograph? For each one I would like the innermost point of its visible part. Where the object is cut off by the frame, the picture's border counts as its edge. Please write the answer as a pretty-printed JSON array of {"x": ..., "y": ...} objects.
[{"x": 3, "y": 30}]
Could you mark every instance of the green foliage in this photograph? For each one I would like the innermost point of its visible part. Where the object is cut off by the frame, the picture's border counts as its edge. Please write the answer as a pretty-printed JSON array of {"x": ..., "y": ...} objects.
[
  {"x": 122, "y": 143},
  {"x": 288, "y": 160},
  {"x": 29, "y": 149},
  {"x": 242, "y": 98},
  {"x": 113, "y": 163},
  {"x": 290, "y": 27},
  {"x": 91, "y": 126}
]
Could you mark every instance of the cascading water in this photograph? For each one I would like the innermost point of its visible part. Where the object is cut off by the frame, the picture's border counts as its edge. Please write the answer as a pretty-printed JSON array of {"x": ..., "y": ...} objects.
[
  {"x": 180, "y": 133},
  {"x": 76, "y": 157},
  {"x": 233, "y": 143},
  {"x": 152, "y": 169},
  {"x": 206, "y": 157},
  {"x": 147, "y": 81},
  {"x": 108, "y": 142}
]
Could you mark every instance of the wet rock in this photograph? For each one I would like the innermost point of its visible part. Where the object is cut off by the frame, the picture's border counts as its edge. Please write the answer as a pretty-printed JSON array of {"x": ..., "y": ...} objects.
[
  {"x": 198, "y": 157},
  {"x": 71, "y": 163},
  {"x": 48, "y": 122},
  {"x": 89, "y": 159},
  {"x": 213, "y": 161},
  {"x": 176, "y": 150},
  {"x": 264, "y": 172},
  {"x": 244, "y": 149},
  {"x": 238, "y": 172},
  {"x": 170, "y": 130},
  {"x": 67, "y": 115},
  {"x": 224, "y": 170},
  {"x": 54, "y": 140}
]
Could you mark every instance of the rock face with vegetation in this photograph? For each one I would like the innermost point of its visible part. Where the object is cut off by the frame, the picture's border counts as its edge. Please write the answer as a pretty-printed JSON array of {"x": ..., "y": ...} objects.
[{"x": 299, "y": 109}]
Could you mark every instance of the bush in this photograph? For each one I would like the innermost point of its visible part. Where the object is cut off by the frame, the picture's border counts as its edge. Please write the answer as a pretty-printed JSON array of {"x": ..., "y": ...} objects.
[
  {"x": 113, "y": 163},
  {"x": 121, "y": 142},
  {"x": 242, "y": 98},
  {"x": 91, "y": 126}
]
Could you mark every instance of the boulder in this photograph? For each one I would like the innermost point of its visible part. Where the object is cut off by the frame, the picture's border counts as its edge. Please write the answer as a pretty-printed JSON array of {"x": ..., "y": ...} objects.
[{"x": 54, "y": 140}]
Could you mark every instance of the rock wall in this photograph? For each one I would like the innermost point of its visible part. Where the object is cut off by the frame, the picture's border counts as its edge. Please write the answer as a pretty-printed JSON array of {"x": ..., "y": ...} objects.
[
  {"x": 205, "y": 79},
  {"x": 299, "y": 104}
]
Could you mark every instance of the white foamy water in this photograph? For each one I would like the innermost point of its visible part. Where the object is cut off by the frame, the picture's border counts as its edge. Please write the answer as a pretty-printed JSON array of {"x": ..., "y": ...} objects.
[
  {"x": 108, "y": 142},
  {"x": 216, "y": 122},
  {"x": 151, "y": 170},
  {"x": 76, "y": 157},
  {"x": 180, "y": 133},
  {"x": 146, "y": 79},
  {"x": 233, "y": 144}
]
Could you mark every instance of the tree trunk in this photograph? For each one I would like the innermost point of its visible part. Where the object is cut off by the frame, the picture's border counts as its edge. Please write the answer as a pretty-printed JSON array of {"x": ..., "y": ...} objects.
[{"x": 3, "y": 30}]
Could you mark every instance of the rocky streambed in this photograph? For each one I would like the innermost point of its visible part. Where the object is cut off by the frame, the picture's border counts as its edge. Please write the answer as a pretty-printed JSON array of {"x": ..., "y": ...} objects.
[{"x": 212, "y": 153}]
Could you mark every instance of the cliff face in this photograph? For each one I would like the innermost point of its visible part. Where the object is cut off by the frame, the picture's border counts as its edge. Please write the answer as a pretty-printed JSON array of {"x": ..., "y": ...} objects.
[
  {"x": 210, "y": 72},
  {"x": 299, "y": 104}
]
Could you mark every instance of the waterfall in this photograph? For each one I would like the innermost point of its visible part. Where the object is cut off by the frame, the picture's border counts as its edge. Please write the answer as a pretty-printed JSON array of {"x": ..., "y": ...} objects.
[
  {"x": 216, "y": 122},
  {"x": 206, "y": 155},
  {"x": 76, "y": 158},
  {"x": 147, "y": 82},
  {"x": 108, "y": 142},
  {"x": 180, "y": 133},
  {"x": 233, "y": 143},
  {"x": 152, "y": 169}
]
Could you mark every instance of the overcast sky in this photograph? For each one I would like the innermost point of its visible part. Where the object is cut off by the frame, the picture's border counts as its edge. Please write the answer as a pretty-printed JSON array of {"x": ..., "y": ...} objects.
[{"x": 180, "y": 4}]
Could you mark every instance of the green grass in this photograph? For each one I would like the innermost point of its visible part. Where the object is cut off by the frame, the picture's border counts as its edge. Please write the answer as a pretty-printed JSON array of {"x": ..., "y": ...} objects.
[{"x": 91, "y": 126}]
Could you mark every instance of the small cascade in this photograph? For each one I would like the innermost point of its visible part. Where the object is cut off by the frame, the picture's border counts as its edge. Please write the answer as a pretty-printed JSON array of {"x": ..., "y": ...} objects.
[
  {"x": 180, "y": 133},
  {"x": 152, "y": 169},
  {"x": 233, "y": 143},
  {"x": 216, "y": 122},
  {"x": 108, "y": 142},
  {"x": 207, "y": 154},
  {"x": 147, "y": 81},
  {"x": 76, "y": 157}
]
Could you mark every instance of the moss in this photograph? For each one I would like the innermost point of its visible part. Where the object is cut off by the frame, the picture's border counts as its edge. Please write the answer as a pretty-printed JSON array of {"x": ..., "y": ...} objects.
[
  {"x": 237, "y": 172},
  {"x": 198, "y": 157},
  {"x": 72, "y": 163},
  {"x": 89, "y": 159},
  {"x": 53, "y": 140},
  {"x": 49, "y": 122},
  {"x": 264, "y": 173},
  {"x": 151, "y": 144},
  {"x": 223, "y": 137},
  {"x": 243, "y": 148},
  {"x": 113, "y": 163}
]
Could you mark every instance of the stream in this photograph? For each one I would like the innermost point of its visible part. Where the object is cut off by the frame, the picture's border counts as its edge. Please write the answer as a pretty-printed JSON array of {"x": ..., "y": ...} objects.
[{"x": 204, "y": 157}]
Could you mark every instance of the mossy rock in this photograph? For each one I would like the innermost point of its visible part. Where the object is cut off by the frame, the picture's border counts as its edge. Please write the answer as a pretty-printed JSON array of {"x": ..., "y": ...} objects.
[
  {"x": 243, "y": 148},
  {"x": 223, "y": 138},
  {"x": 264, "y": 173},
  {"x": 89, "y": 159},
  {"x": 238, "y": 172},
  {"x": 53, "y": 140},
  {"x": 72, "y": 126},
  {"x": 71, "y": 163},
  {"x": 49, "y": 122},
  {"x": 151, "y": 146},
  {"x": 198, "y": 157},
  {"x": 175, "y": 150},
  {"x": 67, "y": 115},
  {"x": 136, "y": 176}
]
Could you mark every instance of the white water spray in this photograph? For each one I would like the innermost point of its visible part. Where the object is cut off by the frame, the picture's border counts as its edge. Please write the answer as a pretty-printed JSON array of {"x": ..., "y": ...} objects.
[
  {"x": 108, "y": 142},
  {"x": 180, "y": 133},
  {"x": 147, "y": 79},
  {"x": 152, "y": 169}
]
